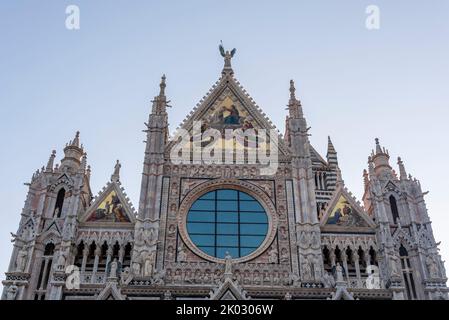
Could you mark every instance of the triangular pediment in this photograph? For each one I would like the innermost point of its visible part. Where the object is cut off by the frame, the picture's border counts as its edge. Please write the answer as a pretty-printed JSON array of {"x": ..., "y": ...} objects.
[
  {"x": 228, "y": 106},
  {"x": 111, "y": 206},
  {"x": 390, "y": 186},
  {"x": 54, "y": 226},
  {"x": 228, "y": 290},
  {"x": 111, "y": 292},
  {"x": 343, "y": 212}
]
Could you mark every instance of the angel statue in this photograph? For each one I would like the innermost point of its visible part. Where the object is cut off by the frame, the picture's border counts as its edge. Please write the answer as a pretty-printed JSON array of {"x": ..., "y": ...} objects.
[{"x": 227, "y": 56}]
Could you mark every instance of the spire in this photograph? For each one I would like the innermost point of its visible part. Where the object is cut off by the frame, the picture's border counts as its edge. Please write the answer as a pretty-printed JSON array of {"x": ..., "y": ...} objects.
[
  {"x": 51, "y": 161},
  {"x": 339, "y": 181},
  {"x": 331, "y": 153},
  {"x": 402, "y": 172},
  {"x": 73, "y": 153},
  {"x": 160, "y": 101},
  {"x": 294, "y": 105},
  {"x": 115, "y": 177},
  {"x": 227, "y": 69},
  {"x": 380, "y": 158},
  {"x": 76, "y": 141}
]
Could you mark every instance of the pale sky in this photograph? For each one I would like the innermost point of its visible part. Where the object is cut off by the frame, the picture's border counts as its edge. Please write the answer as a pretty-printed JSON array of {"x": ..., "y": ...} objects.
[{"x": 355, "y": 84}]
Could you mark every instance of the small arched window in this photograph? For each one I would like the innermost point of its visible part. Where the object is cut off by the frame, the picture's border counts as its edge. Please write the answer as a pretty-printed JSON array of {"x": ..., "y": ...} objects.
[
  {"x": 59, "y": 203},
  {"x": 45, "y": 270},
  {"x": 394, "y": 208},
  {"x": 49, "y": 249}
]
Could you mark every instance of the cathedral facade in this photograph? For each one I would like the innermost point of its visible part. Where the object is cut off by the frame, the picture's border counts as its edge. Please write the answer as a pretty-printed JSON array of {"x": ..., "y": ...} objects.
[{"x": 205, "y": 228}]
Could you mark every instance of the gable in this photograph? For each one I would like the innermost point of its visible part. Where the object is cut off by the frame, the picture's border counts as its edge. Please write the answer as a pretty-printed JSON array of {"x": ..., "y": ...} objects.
[
  {"x": 228, "y": 106},
  {"x": 111, "y": 206},
  {"x": 343, "y": 214},
  {"x": 227, "y": 296}
]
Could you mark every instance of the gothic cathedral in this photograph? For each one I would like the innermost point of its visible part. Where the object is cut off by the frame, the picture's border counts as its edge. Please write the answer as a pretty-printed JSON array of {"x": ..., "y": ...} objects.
[{"x": 229, "y": 230}]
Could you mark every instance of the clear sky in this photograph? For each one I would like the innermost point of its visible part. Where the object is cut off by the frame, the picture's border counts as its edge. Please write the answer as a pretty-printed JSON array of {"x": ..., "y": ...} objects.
[{"x": 355, "y": 84}]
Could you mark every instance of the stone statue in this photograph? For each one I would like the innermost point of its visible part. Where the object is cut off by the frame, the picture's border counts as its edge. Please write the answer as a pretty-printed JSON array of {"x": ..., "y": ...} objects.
[
  {"x": 114, "y": 268},
  {"x": 126, "y": 276},
  {"x": 315, "y": 242},
  {"x": 226, "y": 55},
  {"x": 167, "y": 295},
  {"x": 61, "y": 261},
  {"x": 21, "y": 260},
  {"x": 116, "y": 175},
  {"x": 339, "y": 272},
  {"x": 317, "y": 268},
  {"x": 328, "y": 280},
  {"x": 182, "y": 255},
  {"x": 273, "y": 255},
  {"x": 394, "y": 266},
  {"x": 432, "y": 267},
  {"x": 149, "y": 261},
  {"x": 11, "y": 293},
  {"x": 117, "y": 168},
  {"x": 152, "y": 237},
  {"x": 136, "y": 268},
  {"x": 288, "y": 296},
  {"x": 306, "y": 270},
  {"x": 158, "y": 277},
  {"x": 284, "y": 255},
  {"x": 228, "y": 264},
  {"x": 293, "y": 280}
]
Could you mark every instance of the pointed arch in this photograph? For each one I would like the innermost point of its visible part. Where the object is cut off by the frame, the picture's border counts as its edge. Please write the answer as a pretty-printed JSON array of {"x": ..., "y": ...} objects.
[
  {"x": 394, "y": 208},
  {"x": 59, "y": 203}
]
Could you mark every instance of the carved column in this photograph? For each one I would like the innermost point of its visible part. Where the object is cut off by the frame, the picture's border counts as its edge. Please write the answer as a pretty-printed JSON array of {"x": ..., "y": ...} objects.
[
  {"x": 344, "y": 259},
  {"x": 85, "y": 254},
  {"x": 97, "y": 258},
  {"x": 355, "y": 257},
  {"x": 108, "y": 259},
  {"x": 121, "y": 254},
  {"x": 44, "y": 274}
]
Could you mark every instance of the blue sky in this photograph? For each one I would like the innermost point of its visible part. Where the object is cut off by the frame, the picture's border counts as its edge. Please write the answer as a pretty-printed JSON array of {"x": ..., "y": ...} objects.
[{"x": 354, "y": 84}]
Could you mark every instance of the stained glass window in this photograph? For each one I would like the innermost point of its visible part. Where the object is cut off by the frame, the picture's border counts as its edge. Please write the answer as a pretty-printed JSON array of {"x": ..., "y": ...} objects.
[{"x": 227, "y": 220}]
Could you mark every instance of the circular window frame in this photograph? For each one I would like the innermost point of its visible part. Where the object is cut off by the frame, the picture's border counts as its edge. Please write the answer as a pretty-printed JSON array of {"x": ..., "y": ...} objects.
[{"x": 249, "y": 188}]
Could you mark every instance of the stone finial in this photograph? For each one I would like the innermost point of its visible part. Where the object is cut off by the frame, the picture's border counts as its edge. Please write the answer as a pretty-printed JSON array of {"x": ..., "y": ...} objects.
[
  {"x": 402, "y": 172},
  {"x": 84, "y": 162},
  {"x": 160, "y": 101},
  {"x": 292, "y": 90},
  {"x": 88, "y": 173},
  {"x": 331, "y": 153},
  {"x": 162, "y": 85},
  {"x": 365, "y": 178},
  {"x": 339, "y": 181},
  {"x": 51, "y": 161},
  {"x": 115, "y": 177},
  {"x": 370, "y": 166},
  {"x": 378, "y": 147},
  {"x": 76, "y": 141},
  {"x": 294, "y": 105}
]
